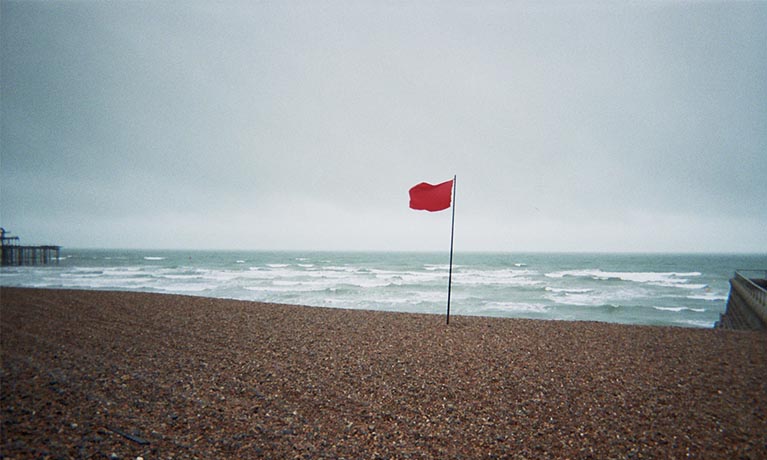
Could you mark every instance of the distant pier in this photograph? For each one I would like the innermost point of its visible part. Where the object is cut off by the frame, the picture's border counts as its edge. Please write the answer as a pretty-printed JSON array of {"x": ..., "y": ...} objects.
[
  {"x": 747, "y": 302},
  {"x": 13, "y": 253}
]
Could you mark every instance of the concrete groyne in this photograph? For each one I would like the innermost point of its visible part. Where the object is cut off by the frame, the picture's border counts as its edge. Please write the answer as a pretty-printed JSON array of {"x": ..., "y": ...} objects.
[{"x": 747, "y": 302}]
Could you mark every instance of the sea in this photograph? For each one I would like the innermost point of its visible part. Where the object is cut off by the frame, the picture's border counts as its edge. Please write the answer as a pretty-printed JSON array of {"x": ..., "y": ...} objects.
[{"x": 686, "y": 290}]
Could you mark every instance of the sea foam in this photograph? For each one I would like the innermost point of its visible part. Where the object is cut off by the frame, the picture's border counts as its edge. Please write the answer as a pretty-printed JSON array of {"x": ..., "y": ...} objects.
[{"x": 552, "y": 286}]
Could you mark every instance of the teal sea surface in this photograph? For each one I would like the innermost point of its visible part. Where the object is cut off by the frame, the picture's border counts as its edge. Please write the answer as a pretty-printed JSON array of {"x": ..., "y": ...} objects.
[{"x": 688, "y": 290}]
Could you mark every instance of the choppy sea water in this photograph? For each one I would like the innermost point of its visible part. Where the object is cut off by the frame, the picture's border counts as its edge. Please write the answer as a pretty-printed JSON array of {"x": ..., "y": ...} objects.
[{"x": 659, "y": 289}]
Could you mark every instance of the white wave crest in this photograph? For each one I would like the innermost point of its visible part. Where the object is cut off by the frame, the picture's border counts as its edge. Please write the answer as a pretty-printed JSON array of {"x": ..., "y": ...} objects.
[
  {"x": 514, "y": 307},
  {"x": 668, "y": 279},
  {"x": 432, "y": 267},
  {"x": 568, "y": 290},
  {"x": 709, "y": 297},
  {"x": 678, "y": 309},
  {"x": 496, "y": 277},
  {"x": 695, "y": 323}
]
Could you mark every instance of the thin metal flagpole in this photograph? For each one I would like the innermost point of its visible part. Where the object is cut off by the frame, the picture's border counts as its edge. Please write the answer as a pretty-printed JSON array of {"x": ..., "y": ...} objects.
[{"x": 450, "y": 272}]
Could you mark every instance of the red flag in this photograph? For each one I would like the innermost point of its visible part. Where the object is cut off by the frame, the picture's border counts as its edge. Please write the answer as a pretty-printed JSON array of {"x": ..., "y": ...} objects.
[{"x": 429, "y": 197}]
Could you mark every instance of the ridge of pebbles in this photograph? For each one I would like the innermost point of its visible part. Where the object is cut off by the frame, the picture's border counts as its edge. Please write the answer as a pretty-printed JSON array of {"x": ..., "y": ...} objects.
[{"x": 91, "y": 374}]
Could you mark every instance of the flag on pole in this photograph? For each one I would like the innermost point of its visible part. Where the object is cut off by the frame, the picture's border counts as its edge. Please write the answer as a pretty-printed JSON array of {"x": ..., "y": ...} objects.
[
  {"x": 438, "y": 197},
  {"x": 431, "y": 198}
]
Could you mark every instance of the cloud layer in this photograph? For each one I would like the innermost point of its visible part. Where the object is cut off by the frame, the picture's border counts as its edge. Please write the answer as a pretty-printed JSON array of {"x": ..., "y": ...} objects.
[{"x": 626, "y": 127}]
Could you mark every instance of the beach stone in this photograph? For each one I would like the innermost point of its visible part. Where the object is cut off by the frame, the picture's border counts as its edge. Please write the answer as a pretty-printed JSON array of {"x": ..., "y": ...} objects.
[{"x": 208, "y": 378}]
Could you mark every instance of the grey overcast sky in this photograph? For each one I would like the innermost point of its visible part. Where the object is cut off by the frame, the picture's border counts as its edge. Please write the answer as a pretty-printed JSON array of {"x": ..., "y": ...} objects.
[{"x": 572, "y": 126}]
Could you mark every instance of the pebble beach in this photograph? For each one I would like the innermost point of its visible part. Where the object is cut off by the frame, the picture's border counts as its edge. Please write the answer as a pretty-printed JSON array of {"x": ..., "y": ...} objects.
[{"x": 98, "y": 374}]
